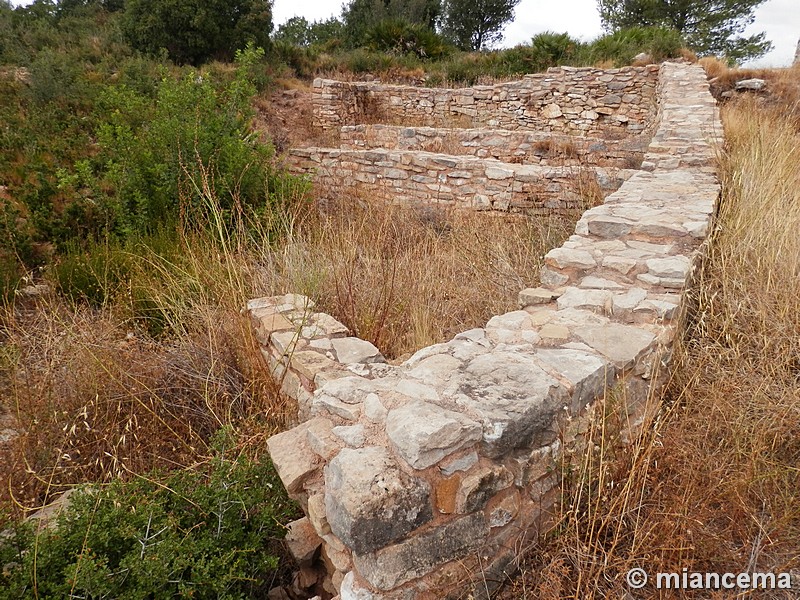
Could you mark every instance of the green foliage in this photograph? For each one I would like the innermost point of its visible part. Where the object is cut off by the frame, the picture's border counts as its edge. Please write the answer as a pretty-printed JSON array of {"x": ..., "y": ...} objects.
[
  {"x": 161, "y": 161},
  {"x": 208, "y": 532},
  {"x": 194, "y": 31},
  {"x": 94, "y": 274},
  {"x": 401, "y": 37},
  {"x": 708, "y": 28},
  {"x": 622, "y": 46},
  {"x": 475, "y": 24},
  {"x": 360, "y": 16}
]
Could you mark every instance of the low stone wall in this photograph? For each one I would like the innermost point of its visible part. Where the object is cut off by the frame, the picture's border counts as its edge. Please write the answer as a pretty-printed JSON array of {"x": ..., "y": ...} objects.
[
  {"x": 524, "y": 147},
  {"x": 460, "y": 181},
  {"x": 419, "y": 476},
  {"x": 565, "y": 99}
]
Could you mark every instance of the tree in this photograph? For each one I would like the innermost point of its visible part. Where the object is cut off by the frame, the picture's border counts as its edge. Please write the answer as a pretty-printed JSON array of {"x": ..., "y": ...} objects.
[
  {"x": 475, "y": 24},
  {"x": 194, "y": 31},
  {"x": 712, "y": 27},
  {"x": 360, "y": 16}
]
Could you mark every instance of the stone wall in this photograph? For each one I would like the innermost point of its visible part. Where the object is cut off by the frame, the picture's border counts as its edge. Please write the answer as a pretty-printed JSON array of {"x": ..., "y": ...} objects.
[
  {"x": 586, "y": 101},
  {"x": 460, "y": 181},
  {"x": 419, "y": 476},
  {"x": 525, "y": 147}
]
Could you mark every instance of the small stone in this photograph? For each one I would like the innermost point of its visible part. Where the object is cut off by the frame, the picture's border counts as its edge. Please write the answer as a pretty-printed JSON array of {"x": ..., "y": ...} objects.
[
  {"x": 533, "y": 296},
  {"x": 323, "y": 404},
  {"x": 462, "y": 463},
  {"x": 374, "y": 409},
  {"x": 478, "y": 487},
  {"x": 676, "y": 267},
  {"x": 352, "y": 435},
  {"x": 302, "y": 540},
  {"x": 292, "y": 457},
  {"x": 350, "y": 590},
  {"x": 567, "y": 258},
  {"x": 321, "y": 439},
  {"x": 552, "y": 111},
  {"x": 505, "y": 511},
  {"x": 418, "y": 555},
  {"x": 552, "y": 331},
  {"x": 753, "y": 84},
  {"x": 308, "y": 363},
  {"x": 622, "y": 344},
  {"x": 496, "y": 173},
  {"x": 317, "y": 515}
]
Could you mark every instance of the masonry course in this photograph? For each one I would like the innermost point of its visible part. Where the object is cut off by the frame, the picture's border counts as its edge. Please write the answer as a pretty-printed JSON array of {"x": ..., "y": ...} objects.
[
  {"x": 586, "y": 101},
  {"x": 456, "y": 457}
]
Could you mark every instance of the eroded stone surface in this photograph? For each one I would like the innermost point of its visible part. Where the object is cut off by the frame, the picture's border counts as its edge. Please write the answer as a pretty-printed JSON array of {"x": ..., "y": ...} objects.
[
  {"x": 369, "y": 502},
  {"x": 423, "y": 433}
]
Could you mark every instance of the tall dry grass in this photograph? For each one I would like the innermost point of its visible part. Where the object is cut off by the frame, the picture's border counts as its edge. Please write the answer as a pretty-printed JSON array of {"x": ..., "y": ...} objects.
[
  {"x": 713, "y": 485},
  {"x": 406, "y": 277}
]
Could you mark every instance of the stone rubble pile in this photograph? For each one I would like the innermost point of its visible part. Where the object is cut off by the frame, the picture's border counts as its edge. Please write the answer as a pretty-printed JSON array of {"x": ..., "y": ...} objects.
[{"x": 417, "y": 477}]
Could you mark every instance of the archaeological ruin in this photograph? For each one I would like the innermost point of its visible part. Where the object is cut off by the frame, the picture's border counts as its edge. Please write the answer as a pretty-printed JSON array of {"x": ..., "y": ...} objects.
[{"x": 423, "y": 479}]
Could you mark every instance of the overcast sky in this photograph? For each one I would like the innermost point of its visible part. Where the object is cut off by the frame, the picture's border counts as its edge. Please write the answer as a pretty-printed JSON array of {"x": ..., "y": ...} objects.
[{"x": 779, "y": 18}]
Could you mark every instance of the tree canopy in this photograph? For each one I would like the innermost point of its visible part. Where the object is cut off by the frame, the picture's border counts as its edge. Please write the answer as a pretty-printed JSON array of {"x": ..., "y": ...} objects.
[
  {"x": 474, "y": 24},
  {"x": 713, "y": 27},
  {"x": 360, "y": 16},
  {"x": 193, "y": 31}
]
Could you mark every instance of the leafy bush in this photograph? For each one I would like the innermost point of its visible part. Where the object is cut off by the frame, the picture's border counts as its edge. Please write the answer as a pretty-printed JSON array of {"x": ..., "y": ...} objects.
[
  {"x": 621, "y": 46},
  {"x": 93, "y": 275},
  {"x": 194, "y": 32},
  {"x": 208, "y": 532},
  {"x": 161, "y": 160},
  {"x": 402, "y": 37}
]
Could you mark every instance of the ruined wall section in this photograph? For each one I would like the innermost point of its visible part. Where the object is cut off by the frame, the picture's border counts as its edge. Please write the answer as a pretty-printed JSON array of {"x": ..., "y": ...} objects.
[
  {"x": 524, "y": 147},
  {"x": 418, "y": 476},
  {"x": 424, "y": 178},
  {"x": 584, "y": 101}
]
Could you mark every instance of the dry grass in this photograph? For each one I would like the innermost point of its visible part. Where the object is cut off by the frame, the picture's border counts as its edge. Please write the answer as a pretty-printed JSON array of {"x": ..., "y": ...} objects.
[
  {"x": 404, "y": 277},
  {"x": 714, "y": 483}
]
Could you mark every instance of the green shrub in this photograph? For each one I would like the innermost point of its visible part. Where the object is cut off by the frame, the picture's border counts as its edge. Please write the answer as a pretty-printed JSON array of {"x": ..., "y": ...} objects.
[
  {"x": 95, "y": 274},
  {"x": 208, "y": 532},
  {"x": 621, "y": 46},
  {"x": 402, "y": 37}
]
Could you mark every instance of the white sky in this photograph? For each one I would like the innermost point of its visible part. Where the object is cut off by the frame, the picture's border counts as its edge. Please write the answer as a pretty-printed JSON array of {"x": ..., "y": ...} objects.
[{"x": 779, "y": 18}]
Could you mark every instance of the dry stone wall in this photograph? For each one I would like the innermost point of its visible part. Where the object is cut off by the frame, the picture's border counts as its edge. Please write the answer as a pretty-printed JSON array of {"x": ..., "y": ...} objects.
[
  {"x": 462, "y": 181},
  {"x": 415, "y": 477},
  {"x": 572, "y": 100},
  {"x": 523, "y": 147}
]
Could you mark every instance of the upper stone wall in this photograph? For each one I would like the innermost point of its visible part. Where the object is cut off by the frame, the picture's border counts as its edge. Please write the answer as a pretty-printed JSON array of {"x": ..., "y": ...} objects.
[{"x": 570, "y": 100}]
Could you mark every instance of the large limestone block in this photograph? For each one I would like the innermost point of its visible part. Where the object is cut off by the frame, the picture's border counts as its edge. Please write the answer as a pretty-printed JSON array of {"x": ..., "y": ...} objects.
[
  {"x": 419, "y": 555},
  {"x": 513, "y": 397},
  {"x": 423, "y": 434},
  {"x": 588, "y": 374},
  {"x": 622, "y": 344},
  {"x": 370, "y": 503}
]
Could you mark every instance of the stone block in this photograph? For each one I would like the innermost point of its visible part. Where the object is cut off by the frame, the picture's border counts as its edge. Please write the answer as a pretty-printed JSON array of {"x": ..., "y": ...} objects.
[
  {"x": 622, "y": 344},
  {"x": 478, "y": 487},
  {"x": 417, "y": 556},
  {"x": 302, "y": 540},
  {"x": 370, "y": 502},
  {"x": 423, "y": 434},
  {"x": 293, "y": 458},
  {"x": 587, "y": 374},
  {"x": 354, "y": 350}
]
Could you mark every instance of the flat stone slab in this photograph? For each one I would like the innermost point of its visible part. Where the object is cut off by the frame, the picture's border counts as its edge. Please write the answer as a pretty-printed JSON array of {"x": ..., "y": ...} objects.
[{"x": 354, "y": 350}]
